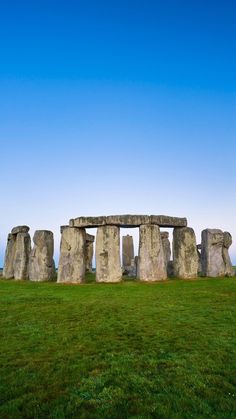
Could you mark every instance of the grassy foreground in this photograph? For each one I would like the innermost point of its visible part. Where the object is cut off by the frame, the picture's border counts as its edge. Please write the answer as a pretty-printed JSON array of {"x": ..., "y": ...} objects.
[{"x": 130, "y": 350}]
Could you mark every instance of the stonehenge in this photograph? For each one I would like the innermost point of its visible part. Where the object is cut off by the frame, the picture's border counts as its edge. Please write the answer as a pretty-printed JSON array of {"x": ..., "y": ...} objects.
[
  {"x": 215, "y": 260},
  {"x": 153, "y": 263},
  {"x": 41, "y": 265}
]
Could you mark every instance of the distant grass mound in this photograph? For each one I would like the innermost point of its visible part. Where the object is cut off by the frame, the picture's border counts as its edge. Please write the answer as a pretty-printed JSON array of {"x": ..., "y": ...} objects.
[{"x": 129, "y": 350}]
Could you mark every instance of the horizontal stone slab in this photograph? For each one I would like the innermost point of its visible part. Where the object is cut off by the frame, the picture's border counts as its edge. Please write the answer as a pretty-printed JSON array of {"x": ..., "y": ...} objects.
[
  {"x": 168, "y": 221},
  {"x": 88, "y": 222},
  {"x": 128, "y": 221},
  {"x": 20, "y": 229}
]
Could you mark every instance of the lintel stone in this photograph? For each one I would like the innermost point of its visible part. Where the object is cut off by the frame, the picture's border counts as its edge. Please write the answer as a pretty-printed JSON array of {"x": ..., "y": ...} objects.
[
  {"x": 20, "y": 229},
  {"x": 168, "y": 221},
  {"x": 128, "y": 221}
]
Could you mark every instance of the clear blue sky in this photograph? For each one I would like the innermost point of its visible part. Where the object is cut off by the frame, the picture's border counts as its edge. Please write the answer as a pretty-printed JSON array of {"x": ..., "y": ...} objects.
[{"x": 117, "y": 107}]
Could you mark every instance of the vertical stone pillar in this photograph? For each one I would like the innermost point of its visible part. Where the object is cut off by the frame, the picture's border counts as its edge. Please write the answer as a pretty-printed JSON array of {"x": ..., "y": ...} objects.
[
  {"x": 229, "y": 270},
  {"x": 108, "y": 266},
  {"x": 71, "y": 266},
  {"x": 215, "y": 258},
  {"x": 151, "y": 260},
  {"x": 42, "y": 266},
  {"x": 185, "y": 256},
  {"x": 127, "y": 250},
  {"x": 16, "y": 263},
  {"x": 199, "y": 247},
  {"x": 166, "y": 246},
  {"x": 89, "y": 253},
  {"x": 8, "y": 268},
  {"x": 136, "y": 265},
  {"x": 22, "y": 256}
]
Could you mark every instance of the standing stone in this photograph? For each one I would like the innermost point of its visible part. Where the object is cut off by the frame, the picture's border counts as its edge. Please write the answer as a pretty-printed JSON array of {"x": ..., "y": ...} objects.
[
  {"x": 89, "y": 253},
  {"x": 108, "y": 266},
  {"x": 42, "y": 266},
  {"x": 22, "y": 256},
  {"x": 166, "y": 246},
  {"x": 8, "y": 268},
  {"x": 151, "y": 260},
  {"x": 185, "y": 257},
  {"x": 170, "y": 269},
  {"x": 215, "y": 258},
  {"x": 127, "y": 252},
  {"x": 135, "y": 266},
  {"x": 71, "y": 266},
  {"x": 229, "y": 270},
  {"x": 199, "y": 247}
]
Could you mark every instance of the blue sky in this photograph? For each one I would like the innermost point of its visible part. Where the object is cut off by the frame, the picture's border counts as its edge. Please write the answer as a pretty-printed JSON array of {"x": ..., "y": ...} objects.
[{"x": 117, "y": 107}]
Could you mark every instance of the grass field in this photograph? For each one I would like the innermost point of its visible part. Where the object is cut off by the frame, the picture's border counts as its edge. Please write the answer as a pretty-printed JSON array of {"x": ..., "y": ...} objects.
[{"x": 129, "y": 350}]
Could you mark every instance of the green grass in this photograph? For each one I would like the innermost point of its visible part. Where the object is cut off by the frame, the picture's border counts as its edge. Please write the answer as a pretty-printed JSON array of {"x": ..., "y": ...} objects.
[{"x": 129, "y": 350}]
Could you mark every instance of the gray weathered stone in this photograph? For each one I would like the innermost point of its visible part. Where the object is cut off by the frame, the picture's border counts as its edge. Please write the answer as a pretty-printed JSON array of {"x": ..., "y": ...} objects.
[
  {"x": 229, "y": 270},
  {"x": 151, "y": 260},
  {"x": 20, "y": 229},
  {"x": 22, "y": 255},
  {"x": 108, "y": 266},
  {"x": 215, "y": 258},
  {"x": 166, "y": 246},
  {"x": 127, "y": 250},
  {"x": 71, "y": 268},
  {"x": 170, "y": 269},
  {"x": 42, "y": 266},
  {"x": 89, "y": 252},
  {"x": 89, "y": 256},
  {"x": 88, "y": 222},
  {"x": 185, "y": 257},
  {"x": 130, "y": 270},
  {"x": 8, "y": 268},
  {"x": 199, "y": 247},
  {"x": 128, "y": 220},
  {"x": 136, "y": 265},
  {"x": 63, "y": 228},
  {"x": 168, "y": 221},
  {"x": 90, "y": 238}
]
